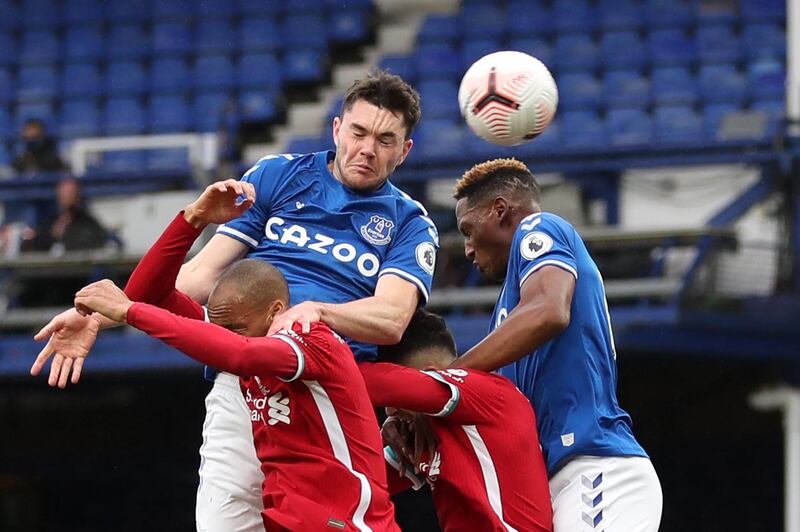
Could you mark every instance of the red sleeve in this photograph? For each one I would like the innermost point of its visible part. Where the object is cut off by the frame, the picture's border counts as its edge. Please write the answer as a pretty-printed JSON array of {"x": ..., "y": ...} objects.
[
  {"x": 220, "y": 348},
  {"x": 395, "y": 482},
  {"x": 153, "y": 280}
]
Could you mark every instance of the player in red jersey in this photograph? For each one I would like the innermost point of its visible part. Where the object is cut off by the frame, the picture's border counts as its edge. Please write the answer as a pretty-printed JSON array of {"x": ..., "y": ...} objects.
[
  {"x": 488, "y": 473},
  {"x": 315, "y": 431}
]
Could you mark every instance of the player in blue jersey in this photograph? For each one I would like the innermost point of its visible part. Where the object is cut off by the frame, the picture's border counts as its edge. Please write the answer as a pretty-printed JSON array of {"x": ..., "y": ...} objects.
[
  {"x": 551, "y": 335},
  {"x": 358, "y": 254}
]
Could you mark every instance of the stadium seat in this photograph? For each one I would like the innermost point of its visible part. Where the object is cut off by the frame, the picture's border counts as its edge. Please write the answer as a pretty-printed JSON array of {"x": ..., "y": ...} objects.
[
  {"x": 166, "y": 159},
  {"x": 669, "y": 13},
  {"x": 259, "y": 70},
  {"x": 675, "y": 124},
  {"x": 7, "y": 129},
  {"x": 128, "y": 41},
  {"x": 213, "y": 72},
  {"x": 576, "y": 52},
  {"x": 81, "y": 80},
  {"x": 9, "y": 18},
  {"x": 125, "y": 77},
  {"x": 41, "y": 14},
  {"x": 717, "y": 44},
  {"x": 123, "y": 116},
  {"x": 260, "y": 106},
  {"x": 302, "y": 6},
  {"x": 722, "y": 84},
  {"x": 436, "y": 61},
  {"x": 764, "y": 41},
  {"x": 262, "y": 8},
  {"x": 5, "y": 161},
  {"x": 674, "y": 85},
  {"x": 577, "y": 16},
  {"x": 711, "y": 13},
  {"x": 767, "y": 79},
  {"x": 486, "y": 20},
  {"x": 627, "y": 89},
  {"x": 471, "y": 51},
  {"x": 538, "y": 48},
  {"x": 84, "y": 44},
  {"x": 25, "y": 111},
  {"x": 583, "y": 129},
  {"x": 304, "y": 66},
  {"x": 671, "y": 47},
  {"x": 304, "y": 31},
  {"x": 629, "y": 127},
  {"x": 439, "y": 99},
  {"x": 210, "y": 110},
  {"x": 763, "y": 10},
  {"x": 259, "y": 34},
  {"x": 8, "y": 49},
  {"x": 36, "y": 83},
  {"x": 622, "y": 49},
  {"x": 349, "y": 27},
  {"x": 79, "y": 12},
  {"x": 171, "y": 38},
  {"x": 309, "y": 144},
  {"x": 775, "y": 111},
  {"x": 713, "y": 116},
  {"x": 123, "y": 161},
  {"x": 217, "y": 10},
  {"x": 169, "y": 75},
  {"x": 6, "y": 87},
  {"x": 440, "y": 140},
  {"x": 579, "y": 90},
  {"x": 78, "y": 118},
  {"x": 527, "y": 19},
  {"x": 401, "y": 64},
  {"x": 440, "y": 28},
  {"x": 616, "y": 15},
  {"x": 129, "y": 11},
  {"x": 215, "y": 36},
  {"x": 166, "y": 10},
  {"x": 167, "y": 114},
  {"x": 39, "y": 46}
]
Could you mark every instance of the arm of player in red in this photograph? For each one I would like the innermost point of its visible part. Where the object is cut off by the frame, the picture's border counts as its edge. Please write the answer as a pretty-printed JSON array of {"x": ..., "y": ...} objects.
[
  {"x": 218, "y": 347},
  {"x": 153, "y": 280},
  {"x": 408, "y": 388}
]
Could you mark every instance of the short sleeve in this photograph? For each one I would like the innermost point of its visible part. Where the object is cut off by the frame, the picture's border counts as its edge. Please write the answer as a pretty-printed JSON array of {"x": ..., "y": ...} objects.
[
  {"x": 545, "y": 240},
  {"x": 475, "y": 396},
  {"x": 413, "y": 254},
  {"x": 266, "y": 176}
]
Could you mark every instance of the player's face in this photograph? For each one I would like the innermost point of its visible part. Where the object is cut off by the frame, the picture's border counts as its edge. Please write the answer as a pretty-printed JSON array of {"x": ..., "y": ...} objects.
[
  {"x": 370, "y": 143},
  {"x": 484, "y": 243}
]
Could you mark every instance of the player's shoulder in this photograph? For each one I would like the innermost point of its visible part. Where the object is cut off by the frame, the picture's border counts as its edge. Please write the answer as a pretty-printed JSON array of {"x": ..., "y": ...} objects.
[
  {"x": 411, "y": 211},
  {"x": 545, "y": 224},
  {"x": 278, "y": 165}
]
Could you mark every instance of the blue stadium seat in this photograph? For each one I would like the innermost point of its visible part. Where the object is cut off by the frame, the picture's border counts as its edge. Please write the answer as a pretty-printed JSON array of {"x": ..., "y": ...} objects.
[
  {"x": 579, "y": 90},
  {"x": 440, "y": 140},
  {"x": 84, "y": 44},
  {"x": 123, "y": 116},
  {"x": 39, "y": 46},
  {"x": 486, "y": 20},
  {"x": 302, "y": 6},
  {"x": 767, "y": 79},
  {"x": 576, "y": 52},
  {"x": 583, "y": 129},
  {"x": 124, "y": 161},
  {"x": 41, "y": 14},
  {"x": 436, "y": 61},
  {"x": 622, "y": 49},
  {"x": 669, "y": 13},
  {"x": 169, "y": 75},
  {"x": 711, "y": 13},
  {"x": 671, "y": 47},
  {"x": 259, "y": 70},
  {"x": 358, "y": 5},
  {"x": 714, "y": 115},
  {"x": 129, "y": 11},
  {"x": 81, "y": 80},
  {"x": 78, "y": 118},
  {"x": 717, "y": 44},
  {"x": 36, "y": 83},
  {"x": 529, "y": 18},
  {"x": 538, "y": 48},
  {"x": 8, "y": 49},
  {"x": 213, "y": 72},
  {"x": 215, "y": 36},
  {"x": 471, "y": 51},
  {"x": 7, "y": 130},
  {"x": 629, "y": 127},
  {"x": 167, "y": 114},
  {"x": 210, "y": 110},
  {"x": 128, "y": 41},
  {"x": 759, "y": 10},
  {"x": 5, "y": 160},
  {"x": 304, "y": 66},
  {"x": 674, "y": 85},
  {"x": 9, "y": 17},
  {"x": 259, "y": 34},
  {"x": 304, "y": 31},
  {"x": 676, "y": 124},
  {"x": 764, "y": 40},
  {"x": 79, "y": 12},
  {"x": 262, "y": 8},
  {"x": 6, "y": 87},
  {"x": 171, "y": 38},
  {"x": 439, "y": 99},
  {"x": 217, "y": 9},
  {"x": 400, "y": 64},
  {"x": 125, "y": 77},
  {"x": 627, "y": 89},
  {"x": 309, "y": 144},
  {"x": 167, "y": 159},
  {"x": 575, "y": 16},
  {"x": 616, "y": 15},
  {"x": 40, "y": 110},
  {"x": 260, "y": 106},
  {"x": 165, "y": 10},
  {"x": 775, "y": 110},
  {"x": 722, "y": 84},
  {"x": 440, "y": 28},
  {"x": 349, "y": 27}
]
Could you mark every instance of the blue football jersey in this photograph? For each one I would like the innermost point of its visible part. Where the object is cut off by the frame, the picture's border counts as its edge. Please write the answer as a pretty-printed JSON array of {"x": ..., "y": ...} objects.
[
  {"x": 570, "y": 380},
  {"x": 330, "y": 242}
]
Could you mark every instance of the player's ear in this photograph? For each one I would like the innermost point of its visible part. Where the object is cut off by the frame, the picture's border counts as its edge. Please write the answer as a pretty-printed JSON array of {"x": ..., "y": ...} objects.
[
  {"x": 407, "y": 145},
  {"x": 500, "y": 208},
  {"x": 337, "y": 124},
  {"x": 275, "y": 308}
]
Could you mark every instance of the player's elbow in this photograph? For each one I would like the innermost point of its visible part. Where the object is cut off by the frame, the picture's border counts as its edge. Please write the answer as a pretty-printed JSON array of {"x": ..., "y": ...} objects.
[{"x": 390, "y": 334}]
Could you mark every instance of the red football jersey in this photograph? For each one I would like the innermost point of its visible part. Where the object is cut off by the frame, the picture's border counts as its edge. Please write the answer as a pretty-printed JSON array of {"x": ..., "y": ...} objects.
[{"x": 488, "y": 472}]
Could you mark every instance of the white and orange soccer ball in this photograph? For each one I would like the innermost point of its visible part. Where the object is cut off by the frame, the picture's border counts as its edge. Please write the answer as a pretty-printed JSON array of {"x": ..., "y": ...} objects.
[{"x": 508, "y": 97}]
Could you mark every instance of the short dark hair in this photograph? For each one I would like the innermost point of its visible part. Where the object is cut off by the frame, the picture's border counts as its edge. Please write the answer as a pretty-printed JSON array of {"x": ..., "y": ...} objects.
[
  {"x": 388, "y": 91},
  {"x": 425, "y": 330},
  {"x": 258, "y": 281},
  {"x": 491, "y": 177}
]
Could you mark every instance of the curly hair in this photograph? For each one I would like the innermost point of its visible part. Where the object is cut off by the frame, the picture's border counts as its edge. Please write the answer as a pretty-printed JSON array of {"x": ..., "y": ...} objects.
[{"x": 507, "y": 175}]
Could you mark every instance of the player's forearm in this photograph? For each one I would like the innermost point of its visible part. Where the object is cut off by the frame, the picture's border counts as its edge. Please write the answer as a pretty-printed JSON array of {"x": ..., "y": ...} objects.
[
  {"x": 406, "y": 388},
  {"x": 375, "y": 320},
  {"x": 526, "y": 329},
  {"x": 214, "y": 346}
]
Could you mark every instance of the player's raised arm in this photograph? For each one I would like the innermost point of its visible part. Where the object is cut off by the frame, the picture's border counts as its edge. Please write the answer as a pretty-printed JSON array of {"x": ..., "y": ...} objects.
[{"x": 408, "y": 388}]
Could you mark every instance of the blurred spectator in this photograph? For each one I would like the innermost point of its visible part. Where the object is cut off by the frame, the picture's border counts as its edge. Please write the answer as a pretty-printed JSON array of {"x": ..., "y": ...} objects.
[
  {"x": 71, "y": 227},
  {"x": 39, "y": 153}
]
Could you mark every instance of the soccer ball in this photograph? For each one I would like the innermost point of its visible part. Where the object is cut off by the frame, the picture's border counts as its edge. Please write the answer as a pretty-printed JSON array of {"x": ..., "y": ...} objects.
[{"x": 508, "y": 98}]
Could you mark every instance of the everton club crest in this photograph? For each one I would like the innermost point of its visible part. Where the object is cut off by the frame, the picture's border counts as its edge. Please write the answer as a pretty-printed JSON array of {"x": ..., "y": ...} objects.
[{"x": 378, "y": 231}]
